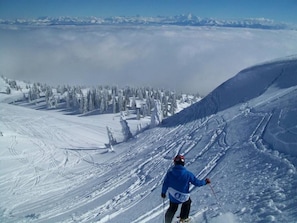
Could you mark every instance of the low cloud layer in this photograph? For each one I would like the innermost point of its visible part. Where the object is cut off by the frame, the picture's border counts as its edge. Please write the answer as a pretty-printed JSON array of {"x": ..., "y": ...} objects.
[{"x": 187, "y": 59}]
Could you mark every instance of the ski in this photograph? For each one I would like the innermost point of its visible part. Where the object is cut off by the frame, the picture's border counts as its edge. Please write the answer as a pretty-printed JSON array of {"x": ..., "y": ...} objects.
[
  {"x": 192, "y": 217},
  {"x": 188, "y": 220}
]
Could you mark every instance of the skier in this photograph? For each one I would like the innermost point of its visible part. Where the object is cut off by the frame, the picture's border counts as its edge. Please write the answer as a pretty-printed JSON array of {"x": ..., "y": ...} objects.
[{"x": 177, "y": 182}]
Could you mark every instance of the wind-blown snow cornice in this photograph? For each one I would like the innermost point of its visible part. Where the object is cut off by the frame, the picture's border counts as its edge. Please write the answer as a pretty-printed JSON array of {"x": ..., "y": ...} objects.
[{"x": 180, "y": 20}]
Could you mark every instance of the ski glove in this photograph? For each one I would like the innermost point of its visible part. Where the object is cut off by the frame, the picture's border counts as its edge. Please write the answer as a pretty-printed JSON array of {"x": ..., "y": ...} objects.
[
  {"x": 163, "y": 195},
  {"x": 207, "y": 181}
]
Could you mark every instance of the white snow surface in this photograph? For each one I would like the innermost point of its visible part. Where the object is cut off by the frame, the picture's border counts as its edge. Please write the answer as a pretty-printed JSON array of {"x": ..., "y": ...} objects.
[{"x": 243, "y": 136}]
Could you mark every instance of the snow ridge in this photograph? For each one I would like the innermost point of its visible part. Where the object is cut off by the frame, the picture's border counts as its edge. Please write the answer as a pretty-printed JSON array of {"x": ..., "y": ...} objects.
[{"x": 243, "y": 87}]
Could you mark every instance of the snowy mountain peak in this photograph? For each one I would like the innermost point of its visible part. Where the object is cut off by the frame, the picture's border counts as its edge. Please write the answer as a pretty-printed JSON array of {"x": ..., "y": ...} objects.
[{"x": 181, "y": 20}]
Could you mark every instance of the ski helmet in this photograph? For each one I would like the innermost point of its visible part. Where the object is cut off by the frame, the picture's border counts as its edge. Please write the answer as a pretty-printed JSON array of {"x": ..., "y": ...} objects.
[{"x": 179, "y": 160}]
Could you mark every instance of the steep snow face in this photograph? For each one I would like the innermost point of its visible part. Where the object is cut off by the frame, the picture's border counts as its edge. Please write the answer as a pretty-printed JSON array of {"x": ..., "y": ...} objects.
[
  {"x": 267, "y": 87},
  {"x": 255, "y": 81},
  {"x": 270, "y": 89},
  {"x": 242, "y": 138},
  {"x": 246, "y": 85}
]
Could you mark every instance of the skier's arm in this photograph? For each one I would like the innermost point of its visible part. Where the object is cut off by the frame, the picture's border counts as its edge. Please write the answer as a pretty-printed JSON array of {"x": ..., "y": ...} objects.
[
  {"x": 195, "y": 181},
  {"x": 165, "y": 185}
]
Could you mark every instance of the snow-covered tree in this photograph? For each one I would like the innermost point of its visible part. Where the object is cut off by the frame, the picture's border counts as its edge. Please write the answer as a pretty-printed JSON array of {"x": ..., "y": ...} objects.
[
  {"x": 121, "y": 102},
  {"x": 102, "y": 105},
  {"x": 105, "y": 99},
  {"x": 97, "y": 97},
  {"x": 8, "y": 90},
  {"x": 125, "y": 129},
  {"x": 36, "y": 91},
  {"x": 138, "y": 113},
  {"x": 114, "y": 104},
  {"x": 173, "y": 104},
  {"x": 156, "y": 116},
  {"x": 85, "y": 103},
  {"x": 165, "y": 106},
  {"x": 48, "y": 94},
  {"x": 91, "y": 101},
  {"x": 53, "y": 101},
  {"x": 111, "y": 140},
  {"x": 81, "y": 102},
  {"x": 74, "y": 98},
  {"x": 133, "y": 103},
  {"x": 139, "y": 94},
  {"x": 149, "y": 104},
  {"x": 67, "y": 99},
  {"x": 12, "y": 84}
]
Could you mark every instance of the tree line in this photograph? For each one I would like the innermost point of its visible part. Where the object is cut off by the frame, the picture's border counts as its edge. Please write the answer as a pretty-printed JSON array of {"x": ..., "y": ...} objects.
[{"x": 103, "y": 99}]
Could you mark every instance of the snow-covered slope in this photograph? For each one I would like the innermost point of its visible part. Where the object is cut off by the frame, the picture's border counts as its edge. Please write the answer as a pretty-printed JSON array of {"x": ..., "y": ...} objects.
[
  {"x": 242, "y": 136},
  {"x": 262, "y": 87}
]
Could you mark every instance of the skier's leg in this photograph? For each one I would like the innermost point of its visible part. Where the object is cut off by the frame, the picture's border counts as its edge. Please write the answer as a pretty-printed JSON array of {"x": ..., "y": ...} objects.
[
  {"x": 170, "y": 212},
  {"x": 185, "y": 209}
]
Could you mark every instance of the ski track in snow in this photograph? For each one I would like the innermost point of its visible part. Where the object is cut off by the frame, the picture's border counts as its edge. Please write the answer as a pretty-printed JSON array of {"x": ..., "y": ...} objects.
[
  {"x": 132, "y": 179},
  {"x": 53, "y": 172}
]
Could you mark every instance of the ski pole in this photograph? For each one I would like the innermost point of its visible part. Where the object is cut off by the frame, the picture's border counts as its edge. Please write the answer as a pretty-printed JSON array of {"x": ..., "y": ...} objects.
[
  {"x": 164, "y": 210},
  {"x": 213, "y": 192}
]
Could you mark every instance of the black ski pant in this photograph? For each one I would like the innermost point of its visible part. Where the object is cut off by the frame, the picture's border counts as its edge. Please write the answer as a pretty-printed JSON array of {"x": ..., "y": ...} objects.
[{"x": 184, "y": 212}]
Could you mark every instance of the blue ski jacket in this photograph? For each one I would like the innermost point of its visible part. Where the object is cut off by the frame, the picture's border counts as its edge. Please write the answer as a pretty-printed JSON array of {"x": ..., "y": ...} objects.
[{"x": 177, "y": 183}]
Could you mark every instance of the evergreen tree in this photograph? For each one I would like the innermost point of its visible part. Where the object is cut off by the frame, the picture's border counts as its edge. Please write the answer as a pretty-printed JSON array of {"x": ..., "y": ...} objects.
[
  {"x": 105, "y": 99},
  {"x": 81, "y": 101},
  {"x": 114, "y": 104},
  {"x": 36, "y": 91},
  {"x": 156, "y": 117},
  {"x": 85, "y": 104},
  {"x": 125, "y": 129},
  {"x": 165, "y": 106},
  {"x": 91, "y": 105},
  {"x": 173, "y": 104},
  {"x": 133, "y": 103},
  {"x": 12, "y": 84},
  {"x": 121, "y": 102},
  {"x": 138, "y": 113},
  {"x": 68, "y": 100},
  {"x": 48, "y": 94},
  {"x": 8, "y": 90},
  {"x": 111, "y": 140},
  {"x": 102, "y": 105},
  {"x": 97, "y": 96},
  {"x": 29, "y": 95}
]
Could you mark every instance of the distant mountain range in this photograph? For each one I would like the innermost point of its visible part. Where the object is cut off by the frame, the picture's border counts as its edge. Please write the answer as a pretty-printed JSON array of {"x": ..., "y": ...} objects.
[{"x": 180, "y": 20}]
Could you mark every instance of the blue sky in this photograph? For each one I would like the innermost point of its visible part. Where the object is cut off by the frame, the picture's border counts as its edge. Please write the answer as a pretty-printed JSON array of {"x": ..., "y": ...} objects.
[{"x": 278, "y": 10}]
